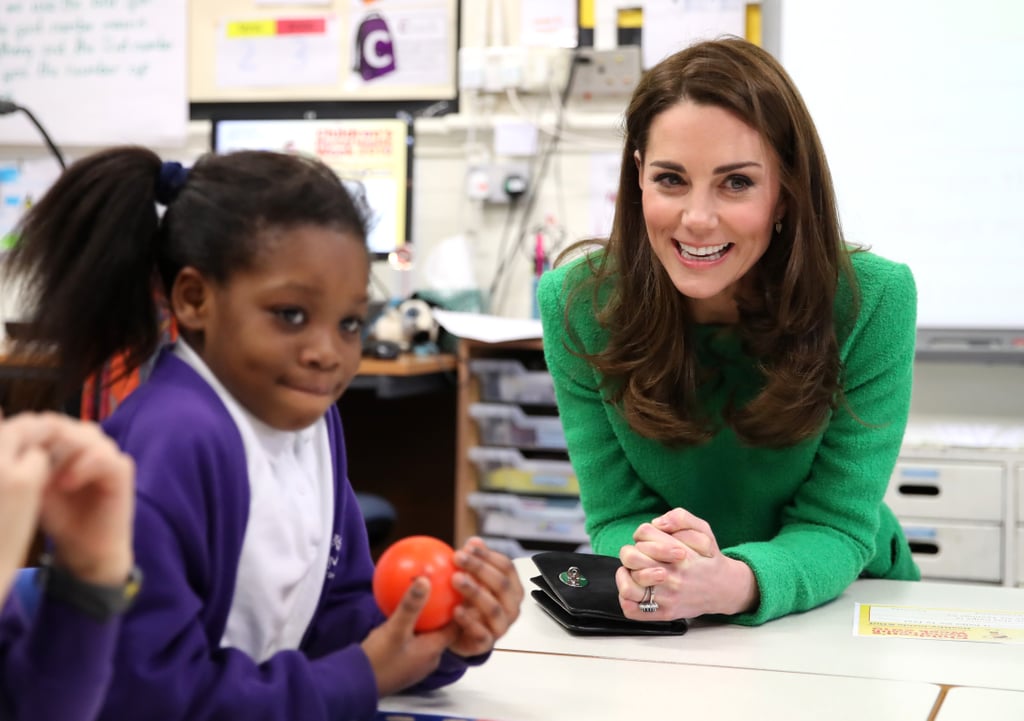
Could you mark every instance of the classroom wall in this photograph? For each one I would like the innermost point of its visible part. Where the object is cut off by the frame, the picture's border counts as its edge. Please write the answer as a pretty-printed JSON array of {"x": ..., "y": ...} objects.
[
  {"x": 919, "y": 106},
  {"x": 447, "y": 145},
  {"x": 440, "y": 206}
]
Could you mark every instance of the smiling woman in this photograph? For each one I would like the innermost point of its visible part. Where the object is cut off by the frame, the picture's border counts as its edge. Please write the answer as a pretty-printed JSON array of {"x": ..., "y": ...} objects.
[
  {"x": 734, "y": 381},
  {"x": 710, "y": 198}
]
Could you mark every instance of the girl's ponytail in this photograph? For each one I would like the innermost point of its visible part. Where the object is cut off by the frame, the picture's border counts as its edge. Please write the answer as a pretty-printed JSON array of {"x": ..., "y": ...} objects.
[{"x": 86, "y": 255}]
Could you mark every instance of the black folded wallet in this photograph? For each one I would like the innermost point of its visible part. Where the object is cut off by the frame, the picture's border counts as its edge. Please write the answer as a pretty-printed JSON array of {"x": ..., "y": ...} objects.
[{"x": 578, "y": 591}]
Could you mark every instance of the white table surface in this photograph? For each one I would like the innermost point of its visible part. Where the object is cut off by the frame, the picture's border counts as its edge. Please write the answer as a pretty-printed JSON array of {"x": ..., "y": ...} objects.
[
  {"x": 820, "y": 641},
  {"x": 975, "y": 704},
  {"x": 514, "y": 686}
]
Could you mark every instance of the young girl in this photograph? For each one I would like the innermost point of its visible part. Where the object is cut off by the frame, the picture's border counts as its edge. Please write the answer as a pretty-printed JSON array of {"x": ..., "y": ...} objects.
[
  {"x": 70, "y": 480},
  {"x": 258, "y": 602}
]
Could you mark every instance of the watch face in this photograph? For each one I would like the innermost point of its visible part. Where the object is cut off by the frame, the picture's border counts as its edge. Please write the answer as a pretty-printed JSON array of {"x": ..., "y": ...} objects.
[{"x": 133, "y": 585}]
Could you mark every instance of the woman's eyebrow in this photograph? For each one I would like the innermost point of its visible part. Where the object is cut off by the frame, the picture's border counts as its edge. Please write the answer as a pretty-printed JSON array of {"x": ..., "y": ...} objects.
[{"x": 669, "y": 165}]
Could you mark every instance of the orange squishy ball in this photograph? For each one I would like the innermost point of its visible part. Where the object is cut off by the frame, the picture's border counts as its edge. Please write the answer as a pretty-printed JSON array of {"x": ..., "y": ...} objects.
[{"x": 404, "y": 561}]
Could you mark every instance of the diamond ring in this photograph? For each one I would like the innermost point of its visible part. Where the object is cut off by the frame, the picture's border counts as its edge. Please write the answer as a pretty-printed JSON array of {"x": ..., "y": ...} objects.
[{"x": 648, "y": 604}]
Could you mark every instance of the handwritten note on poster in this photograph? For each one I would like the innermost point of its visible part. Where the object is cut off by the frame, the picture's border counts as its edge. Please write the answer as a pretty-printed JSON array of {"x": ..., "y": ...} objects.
[
  {"x": 95, "y": 72},
  {"x": 279, "y": 52}
]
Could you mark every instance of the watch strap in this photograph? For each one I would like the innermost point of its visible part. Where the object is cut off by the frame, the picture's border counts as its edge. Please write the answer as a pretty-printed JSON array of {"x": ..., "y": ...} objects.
[{"x": 99, "y": 601}]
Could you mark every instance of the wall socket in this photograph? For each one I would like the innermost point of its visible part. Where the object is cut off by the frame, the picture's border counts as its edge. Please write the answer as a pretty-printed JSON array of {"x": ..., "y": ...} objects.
[
  {"x": 606, "y": 73},
  {"x": 487, "y": 181}
]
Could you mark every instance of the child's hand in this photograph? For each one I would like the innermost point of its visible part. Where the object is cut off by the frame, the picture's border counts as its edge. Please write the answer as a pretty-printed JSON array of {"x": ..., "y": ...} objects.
[
  {"x": 24, "y": 470},
  {"x": 88, "y": 505},
  {"x": 491, "y": 594},
  {"x": 72, "y": 480},
  {"x": 399, "y": 656}
]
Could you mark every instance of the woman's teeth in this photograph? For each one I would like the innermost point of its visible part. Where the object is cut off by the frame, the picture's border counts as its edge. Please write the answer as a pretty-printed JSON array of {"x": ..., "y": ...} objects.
[{"x": 706, "y": 252}]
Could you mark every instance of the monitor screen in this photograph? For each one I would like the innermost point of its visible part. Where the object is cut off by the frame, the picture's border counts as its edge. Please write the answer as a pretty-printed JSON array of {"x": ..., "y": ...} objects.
[{"x": 371, "y": 156}]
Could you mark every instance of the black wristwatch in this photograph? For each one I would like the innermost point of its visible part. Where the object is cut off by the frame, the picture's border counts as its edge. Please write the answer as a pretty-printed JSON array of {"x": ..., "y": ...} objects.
[{"x": 97, "y": 601}]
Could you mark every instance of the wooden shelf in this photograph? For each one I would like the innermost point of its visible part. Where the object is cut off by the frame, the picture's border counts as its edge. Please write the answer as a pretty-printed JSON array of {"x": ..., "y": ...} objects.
[
  {"x": 404, "y": 365},
  {"x": 408, "y": 365},
  {"x": 21, "y": 365}
]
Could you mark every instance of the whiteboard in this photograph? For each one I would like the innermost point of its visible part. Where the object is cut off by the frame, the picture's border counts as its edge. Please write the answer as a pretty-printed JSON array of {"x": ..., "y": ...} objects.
[
  {"x": 920, "y": 107},
  {"x": 245, "y": 51},
  {"x": 94, "y": 72}
]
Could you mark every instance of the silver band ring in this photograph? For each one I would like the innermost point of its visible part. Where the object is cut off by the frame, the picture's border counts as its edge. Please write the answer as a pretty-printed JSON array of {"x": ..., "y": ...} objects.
[{"x": 648, "y": 604}]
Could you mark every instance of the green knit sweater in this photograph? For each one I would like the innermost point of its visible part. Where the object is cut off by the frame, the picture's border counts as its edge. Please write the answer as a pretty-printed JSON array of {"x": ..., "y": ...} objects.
[{"x": 808, "y": 519}]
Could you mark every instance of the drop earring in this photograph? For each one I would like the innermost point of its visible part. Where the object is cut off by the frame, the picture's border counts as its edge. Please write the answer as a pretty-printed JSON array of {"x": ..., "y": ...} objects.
[{"x": 778, "y": 227}]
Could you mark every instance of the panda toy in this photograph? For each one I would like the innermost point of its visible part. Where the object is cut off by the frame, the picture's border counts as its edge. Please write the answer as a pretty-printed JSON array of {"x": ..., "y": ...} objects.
[{"x": 410, "y": 326}]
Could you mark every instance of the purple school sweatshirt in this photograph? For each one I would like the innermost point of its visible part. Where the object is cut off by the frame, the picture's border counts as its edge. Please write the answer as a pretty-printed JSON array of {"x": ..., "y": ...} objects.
[{"x": 191, "y": 515}]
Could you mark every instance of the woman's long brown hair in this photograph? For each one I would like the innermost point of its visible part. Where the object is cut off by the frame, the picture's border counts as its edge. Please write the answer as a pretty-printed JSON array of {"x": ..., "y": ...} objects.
[{"x": 786, "y": 307}]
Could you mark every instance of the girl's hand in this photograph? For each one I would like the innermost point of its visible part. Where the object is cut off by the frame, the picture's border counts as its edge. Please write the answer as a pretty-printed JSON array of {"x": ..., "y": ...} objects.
[
  {"x": 491, "y": 593},
  {"x": 398, "y": 655},
  {"x": 88, "y": 505},
  {"x": 677, "y": 555},
  {"x": 24, "y": 471}
]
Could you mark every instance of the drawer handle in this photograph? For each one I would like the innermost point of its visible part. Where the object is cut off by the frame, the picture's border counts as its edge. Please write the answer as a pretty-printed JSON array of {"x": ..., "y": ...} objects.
[
  {"x": 918, "y": 489},
  {"x": 925, "y": 547}
]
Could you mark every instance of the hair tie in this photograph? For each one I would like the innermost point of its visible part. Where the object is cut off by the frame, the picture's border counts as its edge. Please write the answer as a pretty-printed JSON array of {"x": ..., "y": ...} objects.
[{"x": 170, "y": 181}]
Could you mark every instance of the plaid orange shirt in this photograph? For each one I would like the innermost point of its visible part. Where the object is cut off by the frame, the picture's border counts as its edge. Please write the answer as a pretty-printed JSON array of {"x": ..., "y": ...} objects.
[{"x": 104, "y": 391}]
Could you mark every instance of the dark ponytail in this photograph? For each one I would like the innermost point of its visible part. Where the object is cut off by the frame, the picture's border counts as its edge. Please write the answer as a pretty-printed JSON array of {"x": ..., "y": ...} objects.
[
  {"x": 93, "y": 254},
  {"x": 86, "y": 254}
]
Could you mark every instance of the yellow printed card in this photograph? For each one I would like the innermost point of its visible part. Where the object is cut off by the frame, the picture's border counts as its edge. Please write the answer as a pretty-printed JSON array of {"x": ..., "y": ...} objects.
[{"x": 944, "y": 624}]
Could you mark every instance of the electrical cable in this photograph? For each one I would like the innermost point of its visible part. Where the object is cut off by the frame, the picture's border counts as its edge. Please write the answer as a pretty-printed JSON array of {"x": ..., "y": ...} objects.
[
  {"x": 502, "y": 255},
  {"x": 7, "y": 107},
  {"x": 536, "y": 118},
  {"x": 532, "y": 192}
]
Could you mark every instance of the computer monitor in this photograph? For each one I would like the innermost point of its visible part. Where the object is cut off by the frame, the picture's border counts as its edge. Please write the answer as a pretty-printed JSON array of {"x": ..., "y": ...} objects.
[{"x": 372, "y": 156}]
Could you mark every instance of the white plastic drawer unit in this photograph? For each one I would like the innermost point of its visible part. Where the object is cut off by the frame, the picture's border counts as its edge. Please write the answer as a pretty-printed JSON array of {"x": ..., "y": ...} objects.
[
  {"x": 506, "y": 469},
  {"x": 504, "y": 425},
  {"x": 958, "y": 552},
  {"x": 947, "y": 490},
  {"x": 508, "y": 381},
  {"x": 530, "y": 518}
]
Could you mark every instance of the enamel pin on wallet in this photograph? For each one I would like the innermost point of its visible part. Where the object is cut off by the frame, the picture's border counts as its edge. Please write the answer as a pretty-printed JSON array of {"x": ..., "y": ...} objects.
[{"x": 578, "y": 591}]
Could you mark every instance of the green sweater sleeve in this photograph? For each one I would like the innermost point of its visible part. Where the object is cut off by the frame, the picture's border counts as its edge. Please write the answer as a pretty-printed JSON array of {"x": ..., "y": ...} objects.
[
  {"x": 614, "y": 499},
  {"x": 807, "y": 520},
  {"x": 829, "y": 528}
]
